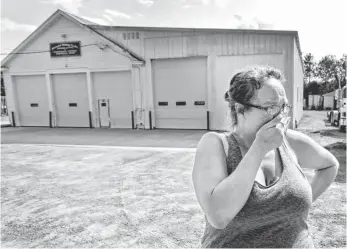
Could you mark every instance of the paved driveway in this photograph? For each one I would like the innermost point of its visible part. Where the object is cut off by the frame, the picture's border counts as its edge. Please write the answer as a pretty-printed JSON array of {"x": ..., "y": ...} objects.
[{"x": 105, "y": 137}]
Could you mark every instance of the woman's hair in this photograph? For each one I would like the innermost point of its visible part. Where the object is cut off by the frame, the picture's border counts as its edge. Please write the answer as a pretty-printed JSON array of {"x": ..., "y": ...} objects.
[{"x": 245, "y": 84}]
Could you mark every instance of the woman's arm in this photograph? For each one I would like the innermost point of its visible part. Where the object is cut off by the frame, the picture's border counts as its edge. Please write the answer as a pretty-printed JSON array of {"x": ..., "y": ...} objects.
[
  {"x": 313, "y": 156},
  {"x": 221, "y": 196}
]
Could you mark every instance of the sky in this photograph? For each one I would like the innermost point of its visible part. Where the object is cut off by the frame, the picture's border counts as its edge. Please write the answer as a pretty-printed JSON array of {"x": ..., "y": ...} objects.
[{"x": 322, "y": 25}]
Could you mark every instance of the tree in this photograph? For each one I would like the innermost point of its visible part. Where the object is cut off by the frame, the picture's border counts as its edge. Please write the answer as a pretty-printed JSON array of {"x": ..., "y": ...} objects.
[
  {"x": 310, "y": 67},
  {"x": 332, "y": 72},
  {"x": 343, "y": 63},
  {"x": 314, "y": 88}
]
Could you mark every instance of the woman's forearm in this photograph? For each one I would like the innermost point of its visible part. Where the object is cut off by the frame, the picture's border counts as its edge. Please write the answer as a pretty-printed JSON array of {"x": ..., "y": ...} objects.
[
  {"x": 231, "y": 194},
  {"x": 322, "y": 180}
]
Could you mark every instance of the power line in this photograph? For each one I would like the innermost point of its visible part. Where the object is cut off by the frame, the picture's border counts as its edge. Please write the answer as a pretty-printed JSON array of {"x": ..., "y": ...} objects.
[
  {"x": 48, "y": 51},
  {"x": 43, "y": 51}
]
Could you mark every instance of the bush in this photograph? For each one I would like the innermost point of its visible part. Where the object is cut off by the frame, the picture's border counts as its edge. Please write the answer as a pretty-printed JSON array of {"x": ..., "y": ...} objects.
[
  {"x": 313, "y": 107},
  {"x": 328, "y": 108}
]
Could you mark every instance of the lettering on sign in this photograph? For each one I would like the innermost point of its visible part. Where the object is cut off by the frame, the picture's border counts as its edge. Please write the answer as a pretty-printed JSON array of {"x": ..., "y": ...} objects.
[{"x": 60, "y": 49}]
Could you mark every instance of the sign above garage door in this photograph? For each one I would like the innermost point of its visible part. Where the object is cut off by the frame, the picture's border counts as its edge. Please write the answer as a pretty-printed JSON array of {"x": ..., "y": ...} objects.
[{"x": 60, "y": 49}]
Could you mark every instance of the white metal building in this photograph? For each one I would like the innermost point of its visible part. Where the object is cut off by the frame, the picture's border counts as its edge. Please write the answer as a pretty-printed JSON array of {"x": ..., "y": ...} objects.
[{"x": 73, "y": 73}]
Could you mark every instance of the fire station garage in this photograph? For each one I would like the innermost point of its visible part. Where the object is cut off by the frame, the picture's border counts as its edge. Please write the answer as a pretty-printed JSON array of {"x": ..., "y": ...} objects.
[{"x": 71, "y": 72}]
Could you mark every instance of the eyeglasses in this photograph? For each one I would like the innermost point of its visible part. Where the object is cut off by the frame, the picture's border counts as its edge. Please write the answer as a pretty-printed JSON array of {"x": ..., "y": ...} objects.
[{"x": 274, "y": 109}]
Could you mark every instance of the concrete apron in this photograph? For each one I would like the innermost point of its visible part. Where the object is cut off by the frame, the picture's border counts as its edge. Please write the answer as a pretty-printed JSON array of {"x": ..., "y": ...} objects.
[{"x": 155, "y": 139}]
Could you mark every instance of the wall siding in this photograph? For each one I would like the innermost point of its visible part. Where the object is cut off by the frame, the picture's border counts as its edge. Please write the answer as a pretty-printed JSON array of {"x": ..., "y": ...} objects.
[
  {"x": 298, "y": 83},
  {"x": 219, "y": 44},
  {"x": 91, "y": 56}
]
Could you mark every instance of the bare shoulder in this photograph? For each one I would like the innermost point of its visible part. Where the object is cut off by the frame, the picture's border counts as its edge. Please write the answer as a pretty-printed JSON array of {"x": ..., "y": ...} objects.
[
  {"x": 210, "y": 134},
  {"x": 208, "y": 140},
  {"x": 210, "y": 147}
]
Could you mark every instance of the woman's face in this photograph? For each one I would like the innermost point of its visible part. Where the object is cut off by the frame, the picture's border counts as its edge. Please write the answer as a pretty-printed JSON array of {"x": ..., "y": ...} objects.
[{"x": 272, "y": 93}]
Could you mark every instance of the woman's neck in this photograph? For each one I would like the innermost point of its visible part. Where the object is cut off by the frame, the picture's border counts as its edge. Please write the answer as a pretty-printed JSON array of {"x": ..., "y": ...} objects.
[{"x": 243, "y": 138}]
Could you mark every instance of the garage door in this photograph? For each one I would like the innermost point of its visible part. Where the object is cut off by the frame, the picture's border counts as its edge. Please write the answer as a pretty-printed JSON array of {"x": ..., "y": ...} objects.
[
  {"x": 71, "y": 99},
  {"x": 32, "y": 100},
  {"x": 115, "y": 89},
  {"x": 180, "y": 93},
  {"x": 226, "y": 67}
]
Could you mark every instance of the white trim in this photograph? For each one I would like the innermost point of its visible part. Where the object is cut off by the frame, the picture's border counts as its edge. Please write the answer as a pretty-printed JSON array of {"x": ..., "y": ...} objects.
[
  {"x": 211, "y": 72},
  {"x": 90, "y": 95},
  {"x": 71, "y": 70},
  {"x": 49, "y": 91},
  {"x": 150, "y": 90},
  {"x": 231, "y": 55},
  {"x": 133, "y": 89},
  {"x": 59, "y": 13},
  {"x": 116, "y": 69},
  {"x": 67, "y": 70},
  {"x": 142, "y": 82},
  {"x": 28, "y": 73},
  {"x": 30, "y": 37},
  {"x": 14, "y": 98}
]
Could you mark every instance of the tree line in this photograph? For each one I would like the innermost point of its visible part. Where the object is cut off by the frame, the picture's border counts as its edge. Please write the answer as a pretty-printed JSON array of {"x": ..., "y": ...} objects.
[{"x": 324, "y": 76}]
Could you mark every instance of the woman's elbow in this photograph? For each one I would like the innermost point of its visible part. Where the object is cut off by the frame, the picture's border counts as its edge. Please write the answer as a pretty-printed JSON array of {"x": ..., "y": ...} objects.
[
  {"x": 217, "y": 220},
  {"x": 217, "y": 224}
]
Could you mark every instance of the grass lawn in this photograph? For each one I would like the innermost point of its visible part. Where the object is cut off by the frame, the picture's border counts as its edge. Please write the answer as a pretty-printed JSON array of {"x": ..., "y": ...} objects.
[
  {"x": 78, "y": 197},
  {"x": 54, "y": 196}
]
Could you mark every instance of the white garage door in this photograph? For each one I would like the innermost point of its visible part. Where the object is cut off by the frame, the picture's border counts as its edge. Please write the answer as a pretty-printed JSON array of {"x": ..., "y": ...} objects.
[
  {"x": 226, "y": 67},
  {"x": 180, "y": 93},
  {"x": 32, "y": 100},
  {"x": 71, "y": 99},
  {"x": 116, "y": 88}
]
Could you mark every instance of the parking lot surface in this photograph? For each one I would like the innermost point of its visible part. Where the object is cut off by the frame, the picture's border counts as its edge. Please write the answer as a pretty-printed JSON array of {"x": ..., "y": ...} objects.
[{"x": 103, "y": 137}]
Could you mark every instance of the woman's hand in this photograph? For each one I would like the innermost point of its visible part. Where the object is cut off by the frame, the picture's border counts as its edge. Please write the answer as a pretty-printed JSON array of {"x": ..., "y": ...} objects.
[{"x": 270, "y": 136}]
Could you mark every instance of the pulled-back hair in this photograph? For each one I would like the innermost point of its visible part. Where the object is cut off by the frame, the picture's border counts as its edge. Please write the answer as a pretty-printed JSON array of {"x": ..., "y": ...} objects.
[{"x": 245, "y": 84}]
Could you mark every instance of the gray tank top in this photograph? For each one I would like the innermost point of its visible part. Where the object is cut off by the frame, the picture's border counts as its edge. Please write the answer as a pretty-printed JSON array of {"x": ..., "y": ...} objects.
[{"x": 273, "y": 216}]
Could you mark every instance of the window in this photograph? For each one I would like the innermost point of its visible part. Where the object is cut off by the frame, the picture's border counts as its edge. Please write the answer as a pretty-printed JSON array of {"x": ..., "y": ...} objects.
[
  {"x": 72, "y": 104},
  {"x": 103, "y": 104},
  {"x": 180, "y": 103},
  {"x": 199, "y": 102},
  {"x": 124, "y": 36},
  {"x": 163, "y": 103},
  {"x": 137, "y": 35},
  {"x": 34, "y": 105},
  {"x": 128, "y": 36}
]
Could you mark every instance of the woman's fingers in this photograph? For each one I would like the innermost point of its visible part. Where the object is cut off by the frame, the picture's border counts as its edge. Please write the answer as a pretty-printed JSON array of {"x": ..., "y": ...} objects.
[
  {"x": 286, "y": 125},
  {"x": 272, "y": 123}
]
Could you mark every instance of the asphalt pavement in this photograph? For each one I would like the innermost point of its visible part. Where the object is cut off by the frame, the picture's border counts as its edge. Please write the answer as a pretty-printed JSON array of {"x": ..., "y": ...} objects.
[{"x": 104, "y": 137}]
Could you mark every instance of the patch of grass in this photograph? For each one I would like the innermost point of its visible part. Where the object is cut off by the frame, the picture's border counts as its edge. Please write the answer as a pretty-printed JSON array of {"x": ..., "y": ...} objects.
[{"x": 127, "y": 199}]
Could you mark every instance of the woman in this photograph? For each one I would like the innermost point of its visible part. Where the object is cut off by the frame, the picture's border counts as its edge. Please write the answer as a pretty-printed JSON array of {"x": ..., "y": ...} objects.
[{"x": 252, "y": 189}]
